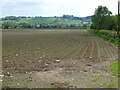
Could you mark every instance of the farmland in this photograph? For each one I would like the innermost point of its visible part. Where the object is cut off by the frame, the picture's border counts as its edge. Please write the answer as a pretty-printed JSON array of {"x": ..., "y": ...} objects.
[
  {"x": 56, "y": 58},
  {"x": 63, "y": 22}
]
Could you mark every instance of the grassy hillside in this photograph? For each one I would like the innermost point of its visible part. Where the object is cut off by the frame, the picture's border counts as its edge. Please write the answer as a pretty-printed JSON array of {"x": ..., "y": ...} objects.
[
  {"x": 65, "y": 21},
  {"x": 48, "y": 20}
]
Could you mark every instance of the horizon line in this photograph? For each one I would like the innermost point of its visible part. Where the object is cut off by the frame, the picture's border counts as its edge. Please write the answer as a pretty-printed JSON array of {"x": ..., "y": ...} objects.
[{"x": 41, "y": 16}]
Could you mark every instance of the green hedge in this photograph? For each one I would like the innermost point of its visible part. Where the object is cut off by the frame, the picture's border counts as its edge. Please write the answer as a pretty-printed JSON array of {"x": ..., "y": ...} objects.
[{"x": 113, "y": 38}]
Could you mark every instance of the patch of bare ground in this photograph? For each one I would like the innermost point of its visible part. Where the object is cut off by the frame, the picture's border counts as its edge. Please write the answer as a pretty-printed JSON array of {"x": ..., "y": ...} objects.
[{"x": 56, "y": 59}]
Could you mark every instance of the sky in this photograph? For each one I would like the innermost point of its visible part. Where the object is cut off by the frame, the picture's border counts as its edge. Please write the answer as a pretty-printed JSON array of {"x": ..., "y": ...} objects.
[{"x": 80, "y": 8}]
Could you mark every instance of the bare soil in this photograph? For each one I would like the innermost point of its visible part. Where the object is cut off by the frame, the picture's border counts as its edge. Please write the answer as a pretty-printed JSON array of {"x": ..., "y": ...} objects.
[{"x": 56, "y": 59}]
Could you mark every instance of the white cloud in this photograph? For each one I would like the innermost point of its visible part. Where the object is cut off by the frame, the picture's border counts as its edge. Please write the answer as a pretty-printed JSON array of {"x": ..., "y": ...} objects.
[{"x": 60, "y": 7}]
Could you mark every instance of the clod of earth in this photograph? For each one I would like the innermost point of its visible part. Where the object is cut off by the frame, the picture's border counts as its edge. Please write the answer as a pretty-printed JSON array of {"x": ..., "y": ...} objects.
[
  {"x": 88, "y": 65},
  {"x": 85, "y": 70},
  {"x": 8, "y": 74},
  {"x": 90, "y": 57},
  {"x": 46, "y": 64},
  {"x": 58, "y": 61},
  {"x": 1, "y": 75},
  {"x": 41, "y": 57},
  {"x": 26, "y": 72},
  {"x": 6, "y": 60},
  {"x": 1, "y": 80},
  {"x": 17, "y": 55},
  {"x": 18, "y": 84},
  {"x": 45, "y": 69},
  {"x": 11, "y": 76}
]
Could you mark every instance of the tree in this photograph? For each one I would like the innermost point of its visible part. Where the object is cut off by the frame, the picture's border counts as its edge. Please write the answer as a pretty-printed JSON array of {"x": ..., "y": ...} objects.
[
  {"x": 8, "y": 25},
  {"x": 101, "y": 18},
  {"x": 114, "y": 22},
  {"x": 25, "y": 25}
]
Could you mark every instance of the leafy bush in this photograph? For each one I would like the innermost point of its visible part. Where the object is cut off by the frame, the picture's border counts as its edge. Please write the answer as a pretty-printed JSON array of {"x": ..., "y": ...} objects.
[{"x": 113, "y": 38}]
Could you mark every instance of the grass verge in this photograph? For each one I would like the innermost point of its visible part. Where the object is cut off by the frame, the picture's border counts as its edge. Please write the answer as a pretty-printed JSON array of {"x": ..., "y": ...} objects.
[
  {"x": 115, "y": 66},
  {"x": 107, "y": 35}
]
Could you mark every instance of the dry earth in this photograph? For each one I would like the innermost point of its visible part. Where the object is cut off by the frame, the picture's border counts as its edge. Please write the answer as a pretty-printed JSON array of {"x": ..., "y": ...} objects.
[{"x": 56, "y": 59}]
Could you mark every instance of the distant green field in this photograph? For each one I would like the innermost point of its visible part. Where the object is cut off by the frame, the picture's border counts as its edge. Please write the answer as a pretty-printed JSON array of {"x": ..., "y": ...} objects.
[
  {"x": 11, "y": 22},
  {"x": 46, "y": 20}
]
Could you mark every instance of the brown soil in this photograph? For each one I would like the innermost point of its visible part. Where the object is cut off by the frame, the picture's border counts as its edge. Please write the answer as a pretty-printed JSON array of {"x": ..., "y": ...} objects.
[{"x": 56, "y": 59}]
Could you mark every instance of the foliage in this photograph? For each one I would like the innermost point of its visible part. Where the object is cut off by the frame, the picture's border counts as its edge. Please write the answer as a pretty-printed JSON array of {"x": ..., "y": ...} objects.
[
  {"x": 115, "y": 22},
  {"x": 102, "y": 19},
  {"x": 25, "y": 25},
  {"x": 8, "y": 25},
  {"x": 111, "y": 37},
  {"x": 11, "y": 18}
]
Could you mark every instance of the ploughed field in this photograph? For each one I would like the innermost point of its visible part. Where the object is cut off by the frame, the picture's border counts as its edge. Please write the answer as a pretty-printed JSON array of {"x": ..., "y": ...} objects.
[{"x": 54, "y": 58}]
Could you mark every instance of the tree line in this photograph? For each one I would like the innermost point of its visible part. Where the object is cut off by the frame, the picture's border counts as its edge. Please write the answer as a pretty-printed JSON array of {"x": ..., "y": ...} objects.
[{"x": 12, "y": 25}]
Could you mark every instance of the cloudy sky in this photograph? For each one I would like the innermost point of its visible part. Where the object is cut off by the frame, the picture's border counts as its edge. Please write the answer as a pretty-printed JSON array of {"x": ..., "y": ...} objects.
[{"x": 79, "y": 8}]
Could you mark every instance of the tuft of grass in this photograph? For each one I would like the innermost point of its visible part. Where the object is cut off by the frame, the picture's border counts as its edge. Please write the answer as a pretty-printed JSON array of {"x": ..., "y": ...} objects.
[
  {"x": 95, "y": 79},
  {"x": 115, "y": 66},
  {"x": 110, "y": 85}
]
